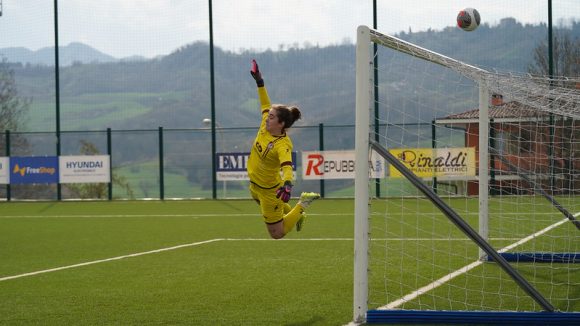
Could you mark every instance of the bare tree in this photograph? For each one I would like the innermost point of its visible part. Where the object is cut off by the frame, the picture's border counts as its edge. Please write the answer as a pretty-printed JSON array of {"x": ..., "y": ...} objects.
[
  {"x": 566, "y": 57},
  {"x": 566, "y": 62},
  {"x": 13, "y": 108}
]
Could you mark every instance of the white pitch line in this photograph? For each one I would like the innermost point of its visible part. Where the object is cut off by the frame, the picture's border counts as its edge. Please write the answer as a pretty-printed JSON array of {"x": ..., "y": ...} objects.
[
  {"x": 209, "y": 241},
  {"x": 530, "y": 237},
  {"x": 465, "y": 269},
  {"x": 154, "y": 215},
  {"x": 194, "y": 215},
  {"x": 108, "y": 259},
  {"x": 430, "y": 287},
  {"x": 438, "y": 239},
  {"x": 460, "y": 271},
  {"x": 6, "y": 278},
  {"x": 289, "y": 239},
  {"x": 123, "y": 215}
]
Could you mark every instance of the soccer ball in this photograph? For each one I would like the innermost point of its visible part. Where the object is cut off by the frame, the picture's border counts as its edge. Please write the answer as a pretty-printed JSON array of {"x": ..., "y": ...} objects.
[{"x": 468, "y": 19}]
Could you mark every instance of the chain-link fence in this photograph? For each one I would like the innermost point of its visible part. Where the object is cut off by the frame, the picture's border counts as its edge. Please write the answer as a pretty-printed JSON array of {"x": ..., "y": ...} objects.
[
  {"x": 167, "y": 163},
  {"x": 76, "y": 69}
]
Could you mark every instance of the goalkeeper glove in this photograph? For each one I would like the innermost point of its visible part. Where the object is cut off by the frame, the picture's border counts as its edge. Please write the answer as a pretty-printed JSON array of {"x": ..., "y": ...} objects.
[
  {"x": 284, "y": 192},
  {"x": 255, "y": 71}
]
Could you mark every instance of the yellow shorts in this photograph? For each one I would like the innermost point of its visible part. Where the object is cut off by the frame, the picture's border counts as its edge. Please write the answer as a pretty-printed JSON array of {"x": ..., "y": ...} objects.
[{"x": 272, "y": 208}]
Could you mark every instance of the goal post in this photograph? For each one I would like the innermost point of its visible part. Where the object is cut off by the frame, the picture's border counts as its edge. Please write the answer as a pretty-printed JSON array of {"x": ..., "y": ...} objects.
[
  {"x": 361, "y": 223},
  {"x": 472, "y": 203}
]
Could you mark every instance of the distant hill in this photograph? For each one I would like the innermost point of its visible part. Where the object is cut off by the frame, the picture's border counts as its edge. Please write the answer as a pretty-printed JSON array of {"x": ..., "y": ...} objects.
[
  {"x": 173, "y": 91},
  {"x": 73, "y": 53}
]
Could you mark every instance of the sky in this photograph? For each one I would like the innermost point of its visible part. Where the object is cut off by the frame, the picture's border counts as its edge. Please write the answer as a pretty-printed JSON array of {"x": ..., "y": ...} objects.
[{"x": 150, "y": 28}]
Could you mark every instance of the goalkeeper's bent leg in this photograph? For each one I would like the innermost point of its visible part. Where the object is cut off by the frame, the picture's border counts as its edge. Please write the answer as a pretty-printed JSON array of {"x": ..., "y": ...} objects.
[
  {"x": 287, "y": 208},
  {"x": 292, "y": 217}
]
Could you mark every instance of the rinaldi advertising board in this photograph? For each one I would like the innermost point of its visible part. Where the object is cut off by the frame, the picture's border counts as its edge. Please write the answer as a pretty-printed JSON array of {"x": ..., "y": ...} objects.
[
  {"x": 436, "y": 162},
  {"x": 34, "y": 169}
]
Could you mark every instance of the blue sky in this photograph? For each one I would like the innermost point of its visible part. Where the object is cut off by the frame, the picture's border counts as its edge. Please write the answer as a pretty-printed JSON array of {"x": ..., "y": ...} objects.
[{"x": 156, "y": 27}]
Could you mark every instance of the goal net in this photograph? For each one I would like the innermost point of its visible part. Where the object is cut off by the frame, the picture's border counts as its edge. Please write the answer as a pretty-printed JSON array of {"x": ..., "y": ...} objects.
[{"x": 477, "y": 218}]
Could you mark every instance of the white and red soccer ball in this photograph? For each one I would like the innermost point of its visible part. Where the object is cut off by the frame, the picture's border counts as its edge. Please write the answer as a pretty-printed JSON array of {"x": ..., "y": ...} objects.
[{"x": 468, "y": 19}]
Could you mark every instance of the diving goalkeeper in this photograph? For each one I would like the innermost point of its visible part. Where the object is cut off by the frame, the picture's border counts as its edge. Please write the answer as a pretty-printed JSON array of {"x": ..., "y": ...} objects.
[{"x": 270, "y": 165}]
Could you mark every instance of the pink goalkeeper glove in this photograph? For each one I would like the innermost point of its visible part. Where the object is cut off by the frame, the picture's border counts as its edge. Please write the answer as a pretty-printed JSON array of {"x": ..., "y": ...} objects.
[
  {"x": 255, "y": 71},
  {"x": 284, "y": 192}
]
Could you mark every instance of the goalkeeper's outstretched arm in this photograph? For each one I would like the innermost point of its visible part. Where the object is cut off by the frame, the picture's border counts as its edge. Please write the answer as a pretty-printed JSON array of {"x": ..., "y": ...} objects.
[{"x": 262, "y": 92}]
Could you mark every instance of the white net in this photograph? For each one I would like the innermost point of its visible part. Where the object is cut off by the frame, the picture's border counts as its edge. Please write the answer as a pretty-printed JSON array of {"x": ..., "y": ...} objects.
[
  {"x": 425, "y": 113},
  {"x": 558, "y": 95}
]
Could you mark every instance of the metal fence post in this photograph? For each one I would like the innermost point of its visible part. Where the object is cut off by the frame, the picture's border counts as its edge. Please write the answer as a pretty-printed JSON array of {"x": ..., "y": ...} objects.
[
  {"x": 321, "y": 148},
  {"x": 57, "y": 92},
  {"x": 7, "y": 139},
  {"x": 212, "y": 102},
  {"x": 161, "y": 179},
  {"x": 434, "y": 146},
  {"x": 110, "y": 153}
]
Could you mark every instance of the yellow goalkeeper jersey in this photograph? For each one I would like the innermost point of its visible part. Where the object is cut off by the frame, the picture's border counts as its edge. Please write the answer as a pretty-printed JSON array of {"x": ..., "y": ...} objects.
[{"x": 269, "y": 154}]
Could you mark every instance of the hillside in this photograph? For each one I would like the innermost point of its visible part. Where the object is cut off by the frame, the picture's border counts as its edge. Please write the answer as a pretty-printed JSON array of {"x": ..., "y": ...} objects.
[
  {"x": 174, "y": 91},
  {"x": 68, "y": 55}
]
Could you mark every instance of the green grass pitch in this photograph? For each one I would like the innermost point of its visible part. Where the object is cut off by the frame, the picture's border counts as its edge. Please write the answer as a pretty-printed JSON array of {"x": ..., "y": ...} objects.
[
  {"x": 204, "y": 262},
  {"x": 241, "y": 278}
]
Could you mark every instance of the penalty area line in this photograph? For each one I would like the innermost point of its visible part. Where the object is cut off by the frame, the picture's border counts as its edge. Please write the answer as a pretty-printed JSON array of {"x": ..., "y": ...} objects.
[
  {"x": 152, "y": 215},
  {"x": 6, "y": 278},
  {"x": 435, "y": 284},
  {"x": 56, "y": 269}
]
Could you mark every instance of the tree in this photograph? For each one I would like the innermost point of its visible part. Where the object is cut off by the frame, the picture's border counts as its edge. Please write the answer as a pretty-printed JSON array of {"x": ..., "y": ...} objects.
[
  {"x": 566, "y": 62},
  {"x": 566, "y": 57},
  {"x": 13, "y": 109}
]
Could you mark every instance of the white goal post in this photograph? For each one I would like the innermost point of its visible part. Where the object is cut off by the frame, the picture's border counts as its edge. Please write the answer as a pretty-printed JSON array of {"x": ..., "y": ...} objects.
[{"x": 440, "y": 242}]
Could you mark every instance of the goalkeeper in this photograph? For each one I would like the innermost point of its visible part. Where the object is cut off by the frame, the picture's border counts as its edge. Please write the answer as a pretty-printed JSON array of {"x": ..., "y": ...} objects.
[{"x": 270, "y": 165}]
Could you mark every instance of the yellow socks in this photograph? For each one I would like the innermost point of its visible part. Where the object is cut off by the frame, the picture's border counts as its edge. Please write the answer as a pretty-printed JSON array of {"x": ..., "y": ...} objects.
[{"x": 292, "y": 217}]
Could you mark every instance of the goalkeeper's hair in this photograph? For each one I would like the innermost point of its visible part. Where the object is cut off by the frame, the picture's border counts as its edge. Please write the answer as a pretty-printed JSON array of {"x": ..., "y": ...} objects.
[{"x": 287, "y": 114}]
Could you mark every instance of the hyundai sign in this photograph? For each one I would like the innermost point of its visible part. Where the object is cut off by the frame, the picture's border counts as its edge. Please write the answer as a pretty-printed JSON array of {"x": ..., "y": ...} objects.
[{"x": 85, "y": 169}]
